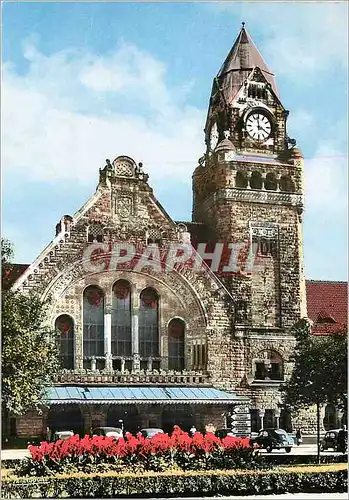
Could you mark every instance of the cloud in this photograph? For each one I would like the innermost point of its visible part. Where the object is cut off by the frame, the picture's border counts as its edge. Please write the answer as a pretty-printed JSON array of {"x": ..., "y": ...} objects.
[
  {"x": 71, "y": 110},
  {"x": 300, "y": 39},
  {"x": 326, "y": 182},
  {"x": 67, "y": 114}
]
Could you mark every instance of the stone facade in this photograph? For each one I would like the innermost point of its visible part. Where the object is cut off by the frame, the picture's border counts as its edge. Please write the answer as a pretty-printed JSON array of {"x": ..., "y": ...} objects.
[{"x": 237, "y": 327}]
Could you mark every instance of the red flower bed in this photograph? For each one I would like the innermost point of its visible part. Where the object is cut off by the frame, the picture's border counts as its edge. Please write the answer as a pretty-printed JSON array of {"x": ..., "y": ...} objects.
[
  {"x": 158, "y": 453},
  {"x": 160, "y": 444}
]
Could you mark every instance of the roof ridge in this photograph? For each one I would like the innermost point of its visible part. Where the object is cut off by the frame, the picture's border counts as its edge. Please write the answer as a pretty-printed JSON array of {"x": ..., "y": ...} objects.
[{"x": 325, "y": 281}]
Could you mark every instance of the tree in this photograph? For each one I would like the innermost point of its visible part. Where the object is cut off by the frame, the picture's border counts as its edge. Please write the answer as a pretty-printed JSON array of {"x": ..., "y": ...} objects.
[
  {"x": 320, "y": 369},
  {"x": 320, "y": 372},
  {"x": 29, "y": 350}
]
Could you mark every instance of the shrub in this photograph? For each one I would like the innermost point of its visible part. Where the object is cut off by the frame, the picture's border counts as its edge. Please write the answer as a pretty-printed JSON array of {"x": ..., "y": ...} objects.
[{"x": 207, "y": 483}]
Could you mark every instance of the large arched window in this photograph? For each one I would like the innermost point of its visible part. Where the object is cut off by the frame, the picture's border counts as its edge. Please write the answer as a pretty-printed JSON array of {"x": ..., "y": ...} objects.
[
  {"x": 65, "y": 326},
  {"x": 148, "y": 324},
  {"x": 176, "y": 329},
  {"x": 93, "y": 322},
  {"x": 121, "y": 341}
]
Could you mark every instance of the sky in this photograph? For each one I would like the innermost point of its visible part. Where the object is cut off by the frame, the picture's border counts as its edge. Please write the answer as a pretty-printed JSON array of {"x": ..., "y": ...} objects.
[{"x": 86, "y": 81}]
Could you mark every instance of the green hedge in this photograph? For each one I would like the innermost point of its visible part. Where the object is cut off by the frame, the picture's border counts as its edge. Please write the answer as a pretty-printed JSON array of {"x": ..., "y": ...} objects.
[
  {"x": 279, "y": 460},
  {"x": 176, "y": 484},
  {"x": 267, "y": 460}
]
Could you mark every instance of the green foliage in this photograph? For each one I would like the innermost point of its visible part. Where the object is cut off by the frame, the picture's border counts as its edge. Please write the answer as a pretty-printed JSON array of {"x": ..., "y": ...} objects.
[
  {"x": 207, "y": 483},
  {"x": 29, "y": 349},
  {"x": 320, "y": 369},
  {"x": 6, "y": 251},
  {"x": 29, "y": 352}
]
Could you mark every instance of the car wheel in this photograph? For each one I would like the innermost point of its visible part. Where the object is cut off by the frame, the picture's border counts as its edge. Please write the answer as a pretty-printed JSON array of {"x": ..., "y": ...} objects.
[
  {"x": 288, "y": 450},
  {"x": 269, "y": 449}
]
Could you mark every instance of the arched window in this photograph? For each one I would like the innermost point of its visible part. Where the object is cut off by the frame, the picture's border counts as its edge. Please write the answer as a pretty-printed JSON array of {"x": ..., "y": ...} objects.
[
  {"x": 121, "y": 341},
  {"x": 65, "y": 326},
  {"x": 176, "y": 330},
  {"x": 256, "y": 181},
  {"x": 241, "y": 180},
  {"x": 286, "y": 184},
  {"x": 270, "y": 182},
  {"x": 93, "y": 344},
  {"x": 148, "y": 324}
]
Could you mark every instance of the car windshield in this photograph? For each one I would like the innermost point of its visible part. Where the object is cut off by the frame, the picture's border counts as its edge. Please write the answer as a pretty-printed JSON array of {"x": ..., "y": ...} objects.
[
  {"x": 152, "y": 432},
  {"x": 280, "y": 431},
  {"x": 64, "y": 435}
]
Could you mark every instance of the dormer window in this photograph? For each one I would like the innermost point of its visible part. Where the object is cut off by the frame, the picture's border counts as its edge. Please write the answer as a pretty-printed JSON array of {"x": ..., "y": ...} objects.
[
  {"x": 325, "y": 318},
  {"x": 95, "y": 233}
]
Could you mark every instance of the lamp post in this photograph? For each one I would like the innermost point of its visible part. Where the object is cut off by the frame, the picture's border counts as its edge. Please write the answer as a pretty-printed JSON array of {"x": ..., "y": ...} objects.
[
  {"x": 312, "y": 384},
  {"x": 318, "y": 428},
  {"x": 121, "y": 422}
]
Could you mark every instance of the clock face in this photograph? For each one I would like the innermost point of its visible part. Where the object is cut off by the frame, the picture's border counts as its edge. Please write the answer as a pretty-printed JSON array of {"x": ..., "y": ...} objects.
[
  {"x": 214, "y": 136},
  {"x": 258, "y": 126}
]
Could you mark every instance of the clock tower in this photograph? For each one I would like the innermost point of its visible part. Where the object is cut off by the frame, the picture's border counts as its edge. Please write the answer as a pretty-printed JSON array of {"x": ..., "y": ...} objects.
[{"x": 248, "y": 191}]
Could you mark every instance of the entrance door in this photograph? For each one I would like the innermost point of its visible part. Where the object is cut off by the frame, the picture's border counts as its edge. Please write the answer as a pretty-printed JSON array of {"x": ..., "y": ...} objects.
[
  {"x": 66, "y": 418},
  {"x": 129, "y": 416},
  {"x": 180, "y": 415}
]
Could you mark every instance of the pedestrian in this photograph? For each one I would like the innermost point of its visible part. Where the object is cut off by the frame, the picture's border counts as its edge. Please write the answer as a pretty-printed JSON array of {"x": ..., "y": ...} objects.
[
  {"x": 342, "y": 439},
  {"x": 192, "y": 430},
  {"x": 299, "y": 436}
]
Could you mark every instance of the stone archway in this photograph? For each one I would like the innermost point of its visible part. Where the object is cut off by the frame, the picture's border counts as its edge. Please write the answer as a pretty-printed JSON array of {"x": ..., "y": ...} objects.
[
  {"x": 286, "y": 420},
  {"x": 181, "y": 415},
  {"x": 330, "y": 420},
  {"x": 129, "y": 415},
  {"x": 66, "y": 418}
]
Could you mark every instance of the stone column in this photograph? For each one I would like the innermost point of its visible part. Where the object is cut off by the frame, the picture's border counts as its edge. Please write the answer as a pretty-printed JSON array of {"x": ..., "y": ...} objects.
[
  {"x": 135, "y": 333},
  {"x": 277, "y": 414},
  {"x": 107, "y": 338},
  {"x": 261, "y": 416},
  {"x": 79, "y": 347},
  {"x": 134, "y": 323}
]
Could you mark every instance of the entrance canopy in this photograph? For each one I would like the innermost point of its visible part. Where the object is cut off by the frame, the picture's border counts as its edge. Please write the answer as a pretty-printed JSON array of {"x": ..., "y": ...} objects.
[{"x": 132, "y": 394}]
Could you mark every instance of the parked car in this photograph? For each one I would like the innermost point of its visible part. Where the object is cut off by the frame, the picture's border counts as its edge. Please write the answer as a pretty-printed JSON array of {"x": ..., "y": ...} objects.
[
  {"x": 330, "y": 440},
  {"x": 222, "y": 433},
  {"x": 61, "y": 435},
  {"x": 274, "y": 439},
  {"x": 115, "y": 432},
  {"x": 150, "y": 432}
]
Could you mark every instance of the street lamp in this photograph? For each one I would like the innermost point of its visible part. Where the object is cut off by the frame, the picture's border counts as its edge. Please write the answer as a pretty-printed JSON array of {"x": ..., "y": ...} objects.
[
  {"x": 121, "y": 422},
  {"x": 311, "y": 384}
]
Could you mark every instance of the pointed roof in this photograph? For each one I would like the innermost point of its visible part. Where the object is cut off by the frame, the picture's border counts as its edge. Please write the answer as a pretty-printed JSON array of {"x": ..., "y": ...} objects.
[{"x": 241, "y": 60}]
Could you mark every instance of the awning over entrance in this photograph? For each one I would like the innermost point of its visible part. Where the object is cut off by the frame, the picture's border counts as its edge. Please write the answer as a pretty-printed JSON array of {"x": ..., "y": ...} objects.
[{"x": 140, "y": 395}]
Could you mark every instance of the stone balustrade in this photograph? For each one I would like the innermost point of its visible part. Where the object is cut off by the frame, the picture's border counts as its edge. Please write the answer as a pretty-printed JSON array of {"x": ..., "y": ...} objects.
[{"x": 129, "y": 378}]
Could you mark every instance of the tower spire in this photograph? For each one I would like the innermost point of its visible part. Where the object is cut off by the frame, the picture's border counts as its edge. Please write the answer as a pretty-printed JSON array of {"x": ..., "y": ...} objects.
[{"x": 241, "y": 60}]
